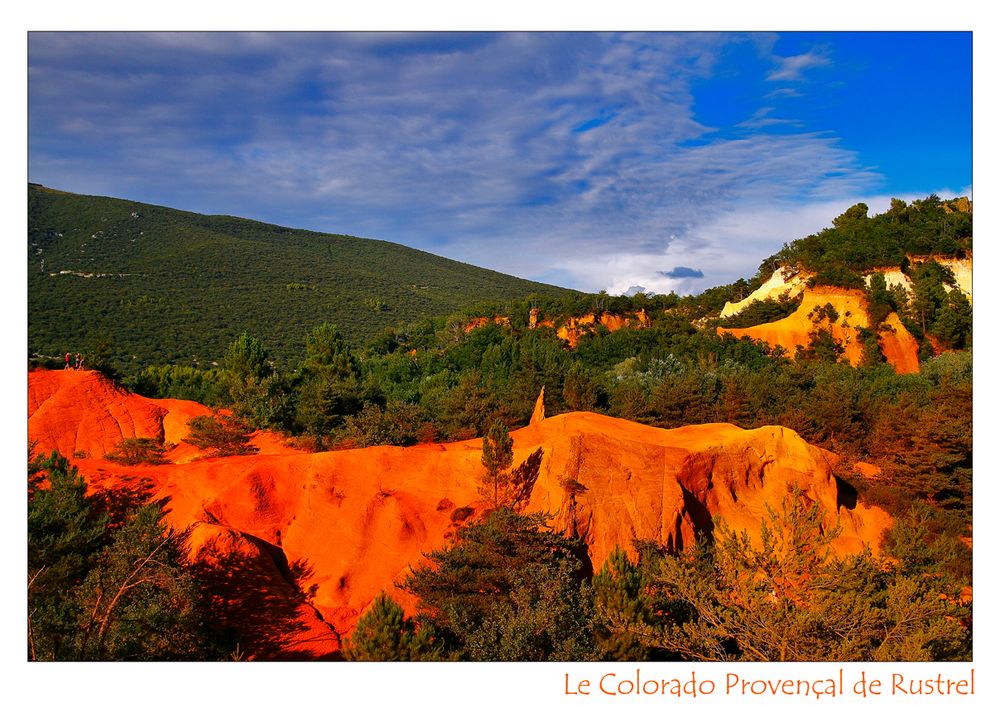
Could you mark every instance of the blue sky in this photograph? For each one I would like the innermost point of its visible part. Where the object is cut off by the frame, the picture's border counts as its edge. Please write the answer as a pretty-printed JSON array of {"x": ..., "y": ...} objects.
[{"x": 591, "y": 160}]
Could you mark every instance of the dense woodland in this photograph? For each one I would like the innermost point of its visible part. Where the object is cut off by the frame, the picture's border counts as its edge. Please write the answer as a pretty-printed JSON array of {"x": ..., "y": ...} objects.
[
  {"x": 856, "y": 242},
  {"x": 511, "y": 589},
  {"x": 148, "y": 284}
]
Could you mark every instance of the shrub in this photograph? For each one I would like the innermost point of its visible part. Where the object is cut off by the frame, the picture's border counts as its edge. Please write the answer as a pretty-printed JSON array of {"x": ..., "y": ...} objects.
[
  {"x": 131, "y": 451},
  {"x": 221, "y": 434}
]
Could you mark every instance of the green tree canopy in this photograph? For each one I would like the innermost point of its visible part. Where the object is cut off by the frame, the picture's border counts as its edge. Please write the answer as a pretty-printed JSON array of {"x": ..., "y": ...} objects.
[
  {"x": 246, "y": 358},
  {"x": 787, "y": 598},
  {"x": 96, "y": 592},
  {"x": 384, "y": 634},
  {"x": 507, "y": 589},
  {"x": 498, "y": 455},
  {"x": 64, "y": 533}
]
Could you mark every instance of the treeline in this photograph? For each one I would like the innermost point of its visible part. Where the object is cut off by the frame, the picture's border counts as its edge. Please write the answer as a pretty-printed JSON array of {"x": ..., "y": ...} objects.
[
  {"x": 160, "y": 285},
  {"x": 857, "y": 242},
  {"x": 938, "y": 318}
]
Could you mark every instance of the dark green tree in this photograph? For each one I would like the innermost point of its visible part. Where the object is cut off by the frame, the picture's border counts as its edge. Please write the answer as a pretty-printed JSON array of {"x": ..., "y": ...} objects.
[
  {"x": 953, "y": 327},
  {"x": 221, "y": 435},
  {"x": 131, "y": 451},
  {"x": 620, "y": 599},
  {"x": 509, "y": 588},
  {"x": 140, "y": 602},
  {"x": 880, "y": 302},
  {"x": 246, "y": 357},
  {"x": 64, "y": 534},
  {"x": 399, "y": 424},
  {"x": 259, "y": 395},
  {"x": 928, "y": 293},
  {"x": 579, "y": 388},
  {"x": 498, "y": 455},
  {"x": 383, "y": 634},
  {"x": 96, "y": 592},
  {"x": 328, "y": 352},
  {"x": 328, "y": 389}
]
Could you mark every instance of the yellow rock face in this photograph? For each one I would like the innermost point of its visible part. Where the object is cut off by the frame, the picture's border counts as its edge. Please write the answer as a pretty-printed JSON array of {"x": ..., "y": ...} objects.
[{"x": 897, "y": 344}]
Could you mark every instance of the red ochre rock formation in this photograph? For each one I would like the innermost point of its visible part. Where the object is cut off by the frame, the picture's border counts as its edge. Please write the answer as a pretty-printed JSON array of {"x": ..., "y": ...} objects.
[
  {"x": 897, "y": 344},
  {"x": 296, "y": 546},
  {"x": 575, "y": 328},
  {"x": 82, "y": 411},
  {"x": 477, "y": 322}
]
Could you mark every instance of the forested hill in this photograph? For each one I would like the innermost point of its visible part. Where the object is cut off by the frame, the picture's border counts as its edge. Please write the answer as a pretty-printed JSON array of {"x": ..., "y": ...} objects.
[
  {"x": 857, "y": 243},
  {"x": 151, "y": 284}
]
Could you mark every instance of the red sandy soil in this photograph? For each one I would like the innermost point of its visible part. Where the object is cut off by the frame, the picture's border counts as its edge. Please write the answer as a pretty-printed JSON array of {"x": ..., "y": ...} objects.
[
  {"x": 295, "y": 546},
  {"x": 898, "y": 345}
]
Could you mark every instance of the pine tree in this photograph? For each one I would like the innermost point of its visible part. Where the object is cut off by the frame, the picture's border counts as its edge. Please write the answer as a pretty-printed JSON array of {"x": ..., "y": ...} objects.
[
  {"x": 140, "y": 602},
  {"x": 258, "y": 393},
  {"x": 498, "y": 455},
  {"x": 328, "y": 389},
  {"x": 384, "y": 634},
  {"x": 99, "y": 593},
  {"x": 579, "y": 389},
  {"x": 508, "y": 589},
  {"x": 786, "y": 598},
  {"x": 64, "y": 533},
  {"x": 620, "y": 599},
  {"x": 221, "y": 434},
  {"x": 953, "y": 327}
]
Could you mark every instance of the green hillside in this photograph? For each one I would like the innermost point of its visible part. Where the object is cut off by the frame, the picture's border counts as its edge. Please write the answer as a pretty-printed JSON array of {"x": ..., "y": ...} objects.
[
  {"x": 856, "y": 242},
  {"x": 159, "y": 285}
]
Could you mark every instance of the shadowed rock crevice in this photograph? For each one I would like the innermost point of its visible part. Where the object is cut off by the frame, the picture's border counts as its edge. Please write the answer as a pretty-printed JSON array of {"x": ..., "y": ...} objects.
[
  {"x": 847, "y": 495},
  {"x": 697, "y": 512}
]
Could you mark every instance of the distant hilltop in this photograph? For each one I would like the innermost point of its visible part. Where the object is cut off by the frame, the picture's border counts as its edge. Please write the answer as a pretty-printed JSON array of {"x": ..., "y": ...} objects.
[{"x": 167, "y": 286}]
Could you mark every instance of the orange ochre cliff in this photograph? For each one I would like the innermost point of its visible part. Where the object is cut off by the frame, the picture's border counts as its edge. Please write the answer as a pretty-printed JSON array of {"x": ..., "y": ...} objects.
[
  {"x": 573, "y": 328},
  {"x": 897, "y": 344},
  {"x": 295, "y": 546}
]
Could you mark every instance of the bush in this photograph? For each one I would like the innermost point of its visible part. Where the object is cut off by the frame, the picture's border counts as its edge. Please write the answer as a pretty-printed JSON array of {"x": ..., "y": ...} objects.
[
  {"x": 222, "y": 435},
  {"x": 383, "y": 634},
  {"x": 762, "y": 312},
  {"x": 508, "y": 589},
  {"x": 131, "y": 451}
]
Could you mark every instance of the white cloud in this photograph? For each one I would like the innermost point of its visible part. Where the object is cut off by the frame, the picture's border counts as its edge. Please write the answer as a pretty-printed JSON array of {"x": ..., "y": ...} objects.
[
  {"x": 734, "y": 244},
  {"x": 793, "y": 68},
  {"x": 544, "y": 155}
]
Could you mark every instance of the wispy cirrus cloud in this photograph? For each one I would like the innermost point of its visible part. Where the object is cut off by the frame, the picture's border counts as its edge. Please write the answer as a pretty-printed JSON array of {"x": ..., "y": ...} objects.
[
  {"x": 579, "y": 159},
  {"x": 793, "y": 68}
]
